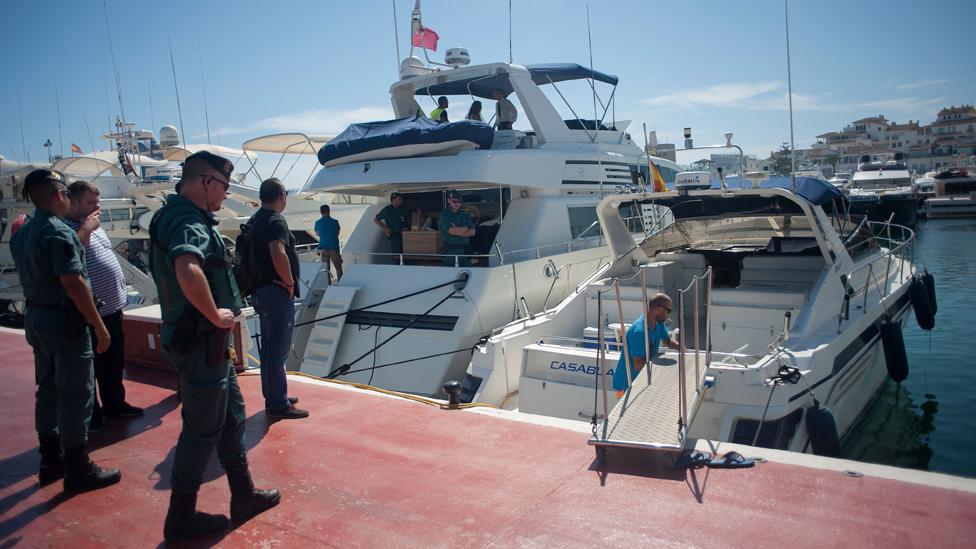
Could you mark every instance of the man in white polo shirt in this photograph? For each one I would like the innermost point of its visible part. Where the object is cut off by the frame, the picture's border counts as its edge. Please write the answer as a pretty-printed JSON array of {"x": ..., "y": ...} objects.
[{"x": 108, "y": 287}]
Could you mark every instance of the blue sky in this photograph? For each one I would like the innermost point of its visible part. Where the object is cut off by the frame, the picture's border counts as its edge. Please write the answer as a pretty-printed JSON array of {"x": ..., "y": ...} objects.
[{"x": 316, "y": 66}]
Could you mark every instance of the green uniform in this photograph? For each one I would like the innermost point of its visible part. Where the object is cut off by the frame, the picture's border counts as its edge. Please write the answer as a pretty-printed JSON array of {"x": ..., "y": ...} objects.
[
  {"x": 44, "y": 249},
  {"x": 213, "y": 407},
  {"x": 454, "y": 245},
  {"x": 396, "y": 220}
]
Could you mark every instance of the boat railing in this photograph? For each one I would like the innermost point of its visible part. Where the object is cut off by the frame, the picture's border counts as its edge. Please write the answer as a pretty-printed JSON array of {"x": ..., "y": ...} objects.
[
  {"x": 877, "y": 272},
  {"x": 484, "y": 260}
]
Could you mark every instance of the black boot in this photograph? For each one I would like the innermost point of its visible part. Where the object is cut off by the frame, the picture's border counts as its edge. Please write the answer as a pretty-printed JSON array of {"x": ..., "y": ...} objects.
[
  {"x": 52, "y": 466},
  {"x": 81, "y": 474},
  {"x": 183, "y": 521},
  {"x": 245, "y": 500}
]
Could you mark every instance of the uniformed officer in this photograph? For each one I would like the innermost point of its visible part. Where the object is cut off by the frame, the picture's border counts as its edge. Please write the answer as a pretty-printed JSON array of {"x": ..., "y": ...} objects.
[
  {"x": 199, "y": 300},
  {"x": 393, "y": 220},
  {"x": 456, "y": 229},
  {"x": 50, "y": 264}
]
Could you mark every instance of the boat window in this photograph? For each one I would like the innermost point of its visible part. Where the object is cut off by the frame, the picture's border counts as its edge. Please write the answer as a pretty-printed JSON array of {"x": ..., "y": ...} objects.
[{"x": 583, "y": 221}]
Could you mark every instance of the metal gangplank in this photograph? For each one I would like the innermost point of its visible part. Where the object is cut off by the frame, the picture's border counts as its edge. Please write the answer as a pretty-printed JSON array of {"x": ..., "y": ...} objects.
[{"x": 654, "y": 413}]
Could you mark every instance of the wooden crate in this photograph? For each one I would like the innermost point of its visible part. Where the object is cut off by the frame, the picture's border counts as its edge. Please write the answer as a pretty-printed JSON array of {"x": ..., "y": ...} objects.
[
  {"x": 143, "y": 347},
  {"x": 422, "y": 242}
]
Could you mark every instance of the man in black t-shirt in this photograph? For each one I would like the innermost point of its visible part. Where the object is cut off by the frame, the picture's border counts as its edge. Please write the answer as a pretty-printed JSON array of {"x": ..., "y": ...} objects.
[{"x": 274, "y": 297}]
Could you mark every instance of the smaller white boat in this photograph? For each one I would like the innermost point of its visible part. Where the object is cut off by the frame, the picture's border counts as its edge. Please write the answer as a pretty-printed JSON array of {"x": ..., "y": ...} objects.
[{"x": 954, "y": 194}]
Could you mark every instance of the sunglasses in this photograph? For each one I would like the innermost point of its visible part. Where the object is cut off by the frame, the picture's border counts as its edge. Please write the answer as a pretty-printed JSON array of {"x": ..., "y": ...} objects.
[
  {"x": 225, "y": 183},
  {"x": 668, "y": 309}
]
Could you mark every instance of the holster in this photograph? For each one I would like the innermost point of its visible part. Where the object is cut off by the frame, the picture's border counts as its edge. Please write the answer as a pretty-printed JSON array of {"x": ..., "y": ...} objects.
[{"x": 216, "y": 341}]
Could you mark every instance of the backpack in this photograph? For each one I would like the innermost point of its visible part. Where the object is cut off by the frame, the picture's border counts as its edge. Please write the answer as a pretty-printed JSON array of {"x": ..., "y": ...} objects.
[{"x": 247, "y": 272}]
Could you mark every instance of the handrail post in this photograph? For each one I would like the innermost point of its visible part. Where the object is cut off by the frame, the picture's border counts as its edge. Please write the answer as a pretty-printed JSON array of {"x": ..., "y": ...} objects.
[
  {"x": 695, "y": 326},
  {"x": 623, "y": 333},
  {"x": 602, "y": 354},
  {"x": 681, "y": 361},
  {"x": 708, "y": 321},
  {"x": 647, "y": 341},
  {"x": 864, "y": 306}
]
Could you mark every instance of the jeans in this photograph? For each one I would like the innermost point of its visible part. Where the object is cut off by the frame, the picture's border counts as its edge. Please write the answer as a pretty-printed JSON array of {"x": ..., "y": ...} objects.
[{"x": 277, "y": 315}]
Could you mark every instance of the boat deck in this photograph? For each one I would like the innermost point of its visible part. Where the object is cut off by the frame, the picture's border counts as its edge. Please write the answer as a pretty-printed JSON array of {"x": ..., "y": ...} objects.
[{"x": 367, "y": 470}]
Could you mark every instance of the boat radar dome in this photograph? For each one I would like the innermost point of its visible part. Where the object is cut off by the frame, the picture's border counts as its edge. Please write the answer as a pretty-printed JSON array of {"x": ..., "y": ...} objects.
[
  {"x": 168, "y": 136},
  {"x": 412, "y": 66},
  {"x": 457, "y": 57},
  {"x": 689, "y": 181}
]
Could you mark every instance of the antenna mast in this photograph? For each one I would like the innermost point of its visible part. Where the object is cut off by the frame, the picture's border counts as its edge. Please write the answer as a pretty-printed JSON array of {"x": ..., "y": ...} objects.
[
  {"x": 115, "y": 69},
  {"x": 589, "y": 38},
  {"x": 789, "y": 84},
  {"x": 179, "y": 109},
  {"x": 206, "y": 114},
  {"x": 23, "y": 143},
  {"x": 57, "y": 98},
  {"x": 510, "y": 31},
  {"x": 396, "y": 37}
]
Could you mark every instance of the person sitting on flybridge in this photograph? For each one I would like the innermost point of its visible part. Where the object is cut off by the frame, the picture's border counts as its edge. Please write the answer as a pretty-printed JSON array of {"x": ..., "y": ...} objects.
[
  {"x": 439, "y": 114},
  {"x": 658, "y": 308}
]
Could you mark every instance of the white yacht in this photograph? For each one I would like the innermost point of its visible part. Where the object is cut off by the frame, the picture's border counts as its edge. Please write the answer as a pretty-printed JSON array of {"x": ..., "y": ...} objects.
[
  {"x": 881, "y": 189},
  {"x": 408, "y": 321},
  {"x": 772, "y": 287},
  {"x": 954, "y": 194},
  {"x": 840, "y": 179}
]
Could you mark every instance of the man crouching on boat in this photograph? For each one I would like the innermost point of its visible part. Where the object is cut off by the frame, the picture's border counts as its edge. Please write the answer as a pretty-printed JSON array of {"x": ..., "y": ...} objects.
[{"x": 658, "y": 309}]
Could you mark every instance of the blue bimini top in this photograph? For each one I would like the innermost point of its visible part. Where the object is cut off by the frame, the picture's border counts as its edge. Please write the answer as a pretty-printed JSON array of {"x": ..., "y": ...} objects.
[{"x": 412, "y": 130}]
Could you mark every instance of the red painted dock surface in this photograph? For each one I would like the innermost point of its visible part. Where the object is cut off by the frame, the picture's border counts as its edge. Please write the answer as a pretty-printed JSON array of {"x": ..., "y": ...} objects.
[{"x": 368, "y": 471}]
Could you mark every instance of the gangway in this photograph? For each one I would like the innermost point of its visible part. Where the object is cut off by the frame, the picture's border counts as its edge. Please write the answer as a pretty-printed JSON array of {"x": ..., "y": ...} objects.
[{"x": 653, "y": 413}]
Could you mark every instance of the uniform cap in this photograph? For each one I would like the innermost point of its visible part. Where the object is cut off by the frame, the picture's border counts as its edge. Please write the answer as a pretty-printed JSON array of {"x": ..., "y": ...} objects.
[
  {"x": 216, "y": 162},
  {"x": 37, "y": 177}
]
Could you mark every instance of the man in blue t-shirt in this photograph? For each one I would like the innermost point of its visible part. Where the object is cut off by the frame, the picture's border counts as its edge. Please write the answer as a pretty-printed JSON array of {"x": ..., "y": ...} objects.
[
  {"x": 658, "y": 309},
  {"x": 328, "y": 230}
]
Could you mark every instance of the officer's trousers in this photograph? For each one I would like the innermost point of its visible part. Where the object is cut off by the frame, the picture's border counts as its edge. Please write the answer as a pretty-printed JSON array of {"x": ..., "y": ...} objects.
[
  {"x": 213, "y": 415},
  {"x": 63, "y": 373}
]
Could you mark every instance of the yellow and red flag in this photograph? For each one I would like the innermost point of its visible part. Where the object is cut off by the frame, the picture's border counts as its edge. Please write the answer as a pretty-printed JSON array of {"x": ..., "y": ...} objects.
[
  {"x": 656, "y": 179},
  {"x": 75, "y": 149}
]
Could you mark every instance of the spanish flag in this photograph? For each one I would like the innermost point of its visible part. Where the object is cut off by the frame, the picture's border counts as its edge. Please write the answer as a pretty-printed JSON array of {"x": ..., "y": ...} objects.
[
  {"x": 656, "y": 179},
  {"x": 75, "y": 149}
]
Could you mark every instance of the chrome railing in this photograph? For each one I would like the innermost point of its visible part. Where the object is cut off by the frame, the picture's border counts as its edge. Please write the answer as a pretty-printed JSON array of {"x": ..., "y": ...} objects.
[{"x": 877, "y": 272}]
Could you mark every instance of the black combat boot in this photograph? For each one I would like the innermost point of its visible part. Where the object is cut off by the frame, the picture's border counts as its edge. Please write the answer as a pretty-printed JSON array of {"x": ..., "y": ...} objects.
[
  {"x": 52, "y": 466},
  {"x": 245, "y": 500},
  {"x": 183, "y": 521},
  {"x": 81, "y": 474}
]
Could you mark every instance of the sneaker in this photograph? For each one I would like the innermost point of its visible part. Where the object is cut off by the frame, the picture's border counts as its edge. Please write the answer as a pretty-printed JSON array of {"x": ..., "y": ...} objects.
[
  {"x": 97, "y": 425},
  {"x": 288, "y": 413},
  {"x": 126, "y": 410}
]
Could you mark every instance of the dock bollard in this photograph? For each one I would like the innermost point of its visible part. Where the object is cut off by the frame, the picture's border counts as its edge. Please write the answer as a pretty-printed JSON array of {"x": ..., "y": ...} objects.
[{"x": 453, "y": 390}]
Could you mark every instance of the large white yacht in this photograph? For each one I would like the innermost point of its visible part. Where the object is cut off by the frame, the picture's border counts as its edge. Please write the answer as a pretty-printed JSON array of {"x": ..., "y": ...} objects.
[
  {"x": 772, "y": 287},
  {"x": 881, "y": 189},
  {"x": 954, "y": 193},
  {"x": 532, "y": 193}
]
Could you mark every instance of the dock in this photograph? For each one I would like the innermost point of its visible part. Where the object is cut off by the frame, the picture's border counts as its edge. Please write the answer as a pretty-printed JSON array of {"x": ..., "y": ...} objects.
[{"x": 370, "y": 470}]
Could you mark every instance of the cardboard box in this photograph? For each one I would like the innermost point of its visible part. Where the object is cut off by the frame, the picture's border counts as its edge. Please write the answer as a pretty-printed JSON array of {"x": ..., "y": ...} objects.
[{"x": 143, "y": 347}]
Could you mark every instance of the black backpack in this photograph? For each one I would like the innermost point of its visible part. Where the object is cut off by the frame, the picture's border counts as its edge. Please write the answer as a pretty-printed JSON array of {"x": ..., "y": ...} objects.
[{"x": 247, "y": 272}]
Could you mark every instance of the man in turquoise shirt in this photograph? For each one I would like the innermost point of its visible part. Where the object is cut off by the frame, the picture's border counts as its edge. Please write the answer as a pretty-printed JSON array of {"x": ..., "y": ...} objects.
[
  {"x": 658, "y": 309},
  {"x": 456, "y": 230},
  {"x": 327, "y": 227}
]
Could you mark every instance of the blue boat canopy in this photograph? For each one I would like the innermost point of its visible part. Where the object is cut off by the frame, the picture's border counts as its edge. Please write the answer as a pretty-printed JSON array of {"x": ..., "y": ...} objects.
[
  {"x": 814, "y": 190},
  {"x": 485, "y": 86},
  {"x": 413, "y": 130}
]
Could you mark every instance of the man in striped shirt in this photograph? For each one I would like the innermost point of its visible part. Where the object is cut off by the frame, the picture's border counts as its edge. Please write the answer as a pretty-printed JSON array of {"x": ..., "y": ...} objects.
[{"x": 108, "y": 287}]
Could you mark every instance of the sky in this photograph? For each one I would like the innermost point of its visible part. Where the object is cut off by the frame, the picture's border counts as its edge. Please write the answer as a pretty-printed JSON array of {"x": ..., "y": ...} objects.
[{"x": 317, "y": 66}]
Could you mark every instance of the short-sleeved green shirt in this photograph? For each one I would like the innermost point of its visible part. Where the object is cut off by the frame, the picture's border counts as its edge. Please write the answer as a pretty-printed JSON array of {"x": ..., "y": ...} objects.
[
  {"x": 181, "y": 228},
  {"x": 395, "y": 218},
  {"x": 44, "y": 249},
  {"x": 450, "y": 219}
]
